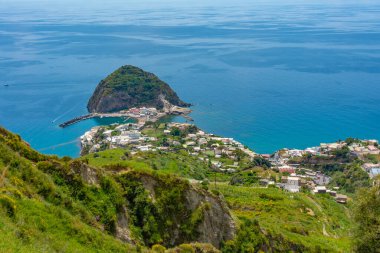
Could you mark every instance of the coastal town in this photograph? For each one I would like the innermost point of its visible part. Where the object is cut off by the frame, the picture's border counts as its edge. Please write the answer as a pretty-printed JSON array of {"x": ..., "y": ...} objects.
[
  {"x": 226, "y": 155},
  {"x": 299, "y": 177}
]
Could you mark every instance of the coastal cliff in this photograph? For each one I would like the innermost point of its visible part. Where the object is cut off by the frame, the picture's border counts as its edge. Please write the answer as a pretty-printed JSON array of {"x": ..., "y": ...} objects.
[{"x": 130, "y": 86}]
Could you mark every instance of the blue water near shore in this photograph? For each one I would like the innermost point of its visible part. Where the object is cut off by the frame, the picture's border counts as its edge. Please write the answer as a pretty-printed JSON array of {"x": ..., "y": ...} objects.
[{"x": 268, "y": 74}]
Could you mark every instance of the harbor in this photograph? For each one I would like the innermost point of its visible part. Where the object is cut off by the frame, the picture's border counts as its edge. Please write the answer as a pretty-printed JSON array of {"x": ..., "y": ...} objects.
[
  {"x": 76, "y": 120},
  {"x": 142, "y": 115}
]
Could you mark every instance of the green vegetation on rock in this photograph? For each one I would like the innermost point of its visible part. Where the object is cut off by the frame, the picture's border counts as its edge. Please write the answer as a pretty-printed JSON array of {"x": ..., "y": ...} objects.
[{"x": 129, "y": 87}]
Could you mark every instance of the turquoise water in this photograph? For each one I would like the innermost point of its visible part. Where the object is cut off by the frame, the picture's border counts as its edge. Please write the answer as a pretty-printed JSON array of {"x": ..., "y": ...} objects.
[{"x": 269, "y": 74}]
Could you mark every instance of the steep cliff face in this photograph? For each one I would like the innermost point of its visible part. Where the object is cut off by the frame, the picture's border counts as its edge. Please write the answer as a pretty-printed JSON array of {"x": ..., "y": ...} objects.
[
  {"x": 217, "y": 225},
  {"x": 204, "y": 215},
  {"x": 128, "y": 87}
]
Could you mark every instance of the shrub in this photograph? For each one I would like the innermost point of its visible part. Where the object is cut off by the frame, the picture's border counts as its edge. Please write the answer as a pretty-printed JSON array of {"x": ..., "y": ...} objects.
[
  {"x": 9, "y": 204},
  {"x": 158, "y": 248},
  {"x": 186, "y": 248},
  {"x": 215, "y": 192},
  {"x": 269, "y": 197},
  {"x": 248, "y": 239},
  {"x": 66, "y": 158},
  {"x": 261, "y": 162},
  {"x": 204, "y": 184}
]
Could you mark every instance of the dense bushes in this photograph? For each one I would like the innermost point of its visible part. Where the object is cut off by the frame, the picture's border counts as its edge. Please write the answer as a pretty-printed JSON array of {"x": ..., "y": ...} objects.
[
  {"x": 8, "y": 204},
  {"x": 261, "y": 162},
  {"x": 156, "y": 215},
  {"x": 246, "y": 178},
  {"x": 351, "y": 179},
  {"x": 248, "y": 239},
  {"x": 366, "y": 214},
  {"x": 59, "y": 183}
]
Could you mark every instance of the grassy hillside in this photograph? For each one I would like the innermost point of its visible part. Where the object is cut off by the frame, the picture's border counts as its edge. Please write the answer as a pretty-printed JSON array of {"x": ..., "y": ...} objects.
[
  {"x": 312, "y": 223},
  {"x": 62, "y": 205},
  {"x": 41, "y": 212},
  {"x": 180, "y": 163}
]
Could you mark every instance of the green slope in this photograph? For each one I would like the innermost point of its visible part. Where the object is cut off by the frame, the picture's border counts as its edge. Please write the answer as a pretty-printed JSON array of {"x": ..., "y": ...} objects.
[
  {"x": 301, "y": 222},
  {"x": 49, "y": 204},
  {"x": 41, "y": 212}
]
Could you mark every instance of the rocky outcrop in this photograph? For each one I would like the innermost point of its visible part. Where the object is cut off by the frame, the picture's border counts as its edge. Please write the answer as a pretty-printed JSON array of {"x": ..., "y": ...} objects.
[
  {"x": 122, "y": 226},
  {"x": 87, "y": 173},
  {"x": 217, "y": 224},
  {"x": 129, "y": 87}
]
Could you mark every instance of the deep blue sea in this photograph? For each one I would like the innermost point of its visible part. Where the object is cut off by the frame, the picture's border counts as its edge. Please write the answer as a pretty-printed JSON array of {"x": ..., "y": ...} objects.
[{"x": 270, "y": 74}]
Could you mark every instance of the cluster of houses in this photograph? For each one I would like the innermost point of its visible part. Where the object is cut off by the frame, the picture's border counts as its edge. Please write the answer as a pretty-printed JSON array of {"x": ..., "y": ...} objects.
[
  {"x": 89, "y": 141},
  {"x": 207, "y": 147},
  {"x": 99, "y": 138},
  {"x": 365, "y": 147},
  {"x": 303, "y": 177},
  {"x": 296, "y": 177},
  {"x": 313, "y": 180},
  {"x": 210, "y": 148},
  {"x": 200, "y": 140},
  {"x": 358, "y": 148},
  {"x": 340, "y": 198},
  {"x": 141, "y": 112}
]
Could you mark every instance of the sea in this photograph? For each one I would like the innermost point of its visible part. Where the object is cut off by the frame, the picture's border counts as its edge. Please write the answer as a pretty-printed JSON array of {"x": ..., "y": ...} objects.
[{"x": 271, "y": 74}]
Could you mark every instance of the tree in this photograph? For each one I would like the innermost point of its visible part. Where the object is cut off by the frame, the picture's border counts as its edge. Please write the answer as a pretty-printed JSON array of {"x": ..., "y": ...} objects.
[
  {"x": 262, "y": 162},
  {"x": 351, "y": 179},
  {"x": 248, "y": 239},
  {"x": 367, "y": 218},
  {"x": 351, "y": 140},
  {"x": 175, "y": 131},
  {"x": 342, "y": 153},
  {"x": 192, "y": 129},
  {"x": 239, "y": 154}
]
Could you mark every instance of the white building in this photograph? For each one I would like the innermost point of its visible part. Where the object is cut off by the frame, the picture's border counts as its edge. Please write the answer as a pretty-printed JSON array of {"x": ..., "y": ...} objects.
[{"x": 292, "y": 184}]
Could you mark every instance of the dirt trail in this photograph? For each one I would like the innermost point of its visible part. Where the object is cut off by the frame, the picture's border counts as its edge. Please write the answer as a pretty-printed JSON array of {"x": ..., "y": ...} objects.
[
  {"x": 324, "y": 216},
  {"x": 316, "y": 204},
  {"x": 2, "y": 176},
  {"x": 324, "y": 230}
]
